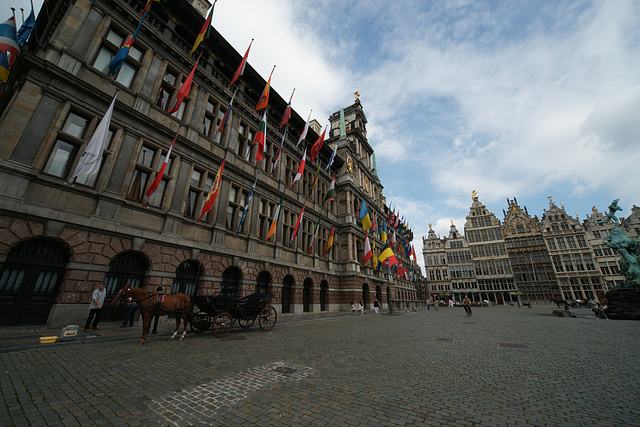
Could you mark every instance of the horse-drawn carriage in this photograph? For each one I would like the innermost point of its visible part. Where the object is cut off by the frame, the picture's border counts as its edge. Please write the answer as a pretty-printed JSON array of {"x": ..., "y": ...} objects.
[{"x": 219, "y": 313}]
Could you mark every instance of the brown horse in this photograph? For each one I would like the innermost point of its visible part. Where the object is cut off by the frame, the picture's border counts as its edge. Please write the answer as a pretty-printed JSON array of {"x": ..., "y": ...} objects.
[{"x": 149, "y": 305}]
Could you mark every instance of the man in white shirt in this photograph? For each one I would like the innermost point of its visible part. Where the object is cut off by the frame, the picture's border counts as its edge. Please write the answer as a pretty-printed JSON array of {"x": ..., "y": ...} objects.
[{"x": 95, "y": 309}]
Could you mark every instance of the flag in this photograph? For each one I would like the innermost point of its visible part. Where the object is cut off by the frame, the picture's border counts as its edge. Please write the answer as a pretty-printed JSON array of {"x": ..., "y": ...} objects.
[
  {"x": 343, "y": 128},
  {"x": 9, "y": 39},
  {"x": 413, "y": 253},
  {"x": 27, "y": 26},
  {"x": 333, "y": 155},
  {"x": 303, "y": 135},
  {"x": 154, "y": 185},
  {"x": 374, "y": 258},
  {"x": 185, "y": 89},
  {"x": 383, "y": 232},
  {"x": 400, "y": 270},
  {"x": 300, "y": 169},
  {"x": 392, "y": 240},
  {"x": 274, "y": 221},
  {"x": 118, "y": 59},
  {"x": 243, "y": 63},
  {"x": 213, "y": 192},
  {"x": 368, "y": 253},
  {"x": 295, "y": 230},
  {"x": 327, "y": 247},
  {"x": 275, "y": 161},
  {"x": 331, "y": 193},
  {"x": 92, "y": 157},
  {"x": 315, "y": 149},
  {"x": 204, "y": 31},
  {"x": 261, "y": 137},
  {"x": 264, "y": 98},
  {"x": 387, "y": 257},
  {"x": 146, "y": 7},
  {"x": 364, "y": 216},
  {"x": 4, "y": 67},
  {"x": 287, "y": 111},
  {"x": 223, "y": 122},
  {"x": 246, "y": 208},
  {"x": 315, "y": 235},
  {"x": 315, "y": 178}
]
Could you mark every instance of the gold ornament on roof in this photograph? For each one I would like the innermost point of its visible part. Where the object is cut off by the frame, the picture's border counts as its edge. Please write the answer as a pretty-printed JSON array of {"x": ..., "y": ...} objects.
[{"x": 357, "y": 94}]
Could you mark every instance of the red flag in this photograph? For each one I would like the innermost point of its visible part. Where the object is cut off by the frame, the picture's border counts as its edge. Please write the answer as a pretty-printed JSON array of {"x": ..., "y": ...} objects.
[
  {"x": 154, "y": 185},
  {"x": 368, "y": 253},
  {"x": 317, "y": 146},
  {"x": 264, "y": 98},
  {"x": 213, "y": 193},
  {"x": 261, "y": 137},
  {"x": 295, "y": 230},
  {"x": 287, "y": 112},
  {"x": 240, "y": 70},
  {"x": 300, "y": 169},
  {"x": 185, "y": 88}
]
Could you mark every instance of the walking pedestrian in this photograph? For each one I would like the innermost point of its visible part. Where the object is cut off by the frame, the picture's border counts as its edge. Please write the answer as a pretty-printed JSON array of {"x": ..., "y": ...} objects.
[
  {"x": 361, "y": 309},
  {"x": 466, "y": 302},
  {"x": 601, "y": 310},
  {"x": 353, "y": 308},
  {"x": 95, "y": 309},
  {"x": 428, "y": 304},
  {"x": 376, "y": 306}
]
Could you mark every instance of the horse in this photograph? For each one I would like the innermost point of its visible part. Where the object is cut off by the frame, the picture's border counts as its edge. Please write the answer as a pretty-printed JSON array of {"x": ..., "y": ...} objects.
[{"x": 149, "y": 305}]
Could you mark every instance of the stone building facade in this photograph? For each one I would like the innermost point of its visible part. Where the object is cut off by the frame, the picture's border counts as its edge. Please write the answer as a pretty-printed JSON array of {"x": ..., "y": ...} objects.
[
  {"x": 60, "y": 238},
  {"x": 460, "y": 267},
  {"x": 572, "y": 256},
  {"x": 530, "y": 262},
  {"x": 483, "y": 231}
]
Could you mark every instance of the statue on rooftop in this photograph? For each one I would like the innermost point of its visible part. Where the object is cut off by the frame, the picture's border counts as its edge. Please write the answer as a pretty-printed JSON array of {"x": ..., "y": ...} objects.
[{"x": 611, "y": 216}]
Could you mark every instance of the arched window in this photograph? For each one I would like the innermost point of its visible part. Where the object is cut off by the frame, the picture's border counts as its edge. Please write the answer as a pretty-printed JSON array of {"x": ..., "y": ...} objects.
[
  {"x": 231, "y": 282},
  {"x": 263, "y": 282},
  {"x": 29, "y": 281},
  {"x": 187, "y": 276},
  {"x": 287, "y": 288},
  {"x": 307, "y": 295},
  {"x": 126, "y": 268},
  {"x": 324, "y": 289}
]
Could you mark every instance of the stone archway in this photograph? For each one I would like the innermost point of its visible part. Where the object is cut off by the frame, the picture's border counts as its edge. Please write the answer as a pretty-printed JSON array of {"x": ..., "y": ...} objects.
[
  {"x": 307, "y": 295},
  {"x": 288, "y": 284},
  {"x": 30, "y": 279},
  {"x": 324, "y": 289}
]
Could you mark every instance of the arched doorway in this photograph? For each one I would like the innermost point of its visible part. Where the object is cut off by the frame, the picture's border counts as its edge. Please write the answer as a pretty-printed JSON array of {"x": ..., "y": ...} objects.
[
  {"x": 324, "y": 289},
  {"x": 29, "y": 281},
  {"x": 307, "y": 293},
  {"x": 263, "y": 282},
  {"x": 230, "y": 285},
  {"x": 287, "y": 285},
  {"x": 126, "y": 268},
  {"x": 365, "y": 295},
  {"x": 187, "y": 276}
]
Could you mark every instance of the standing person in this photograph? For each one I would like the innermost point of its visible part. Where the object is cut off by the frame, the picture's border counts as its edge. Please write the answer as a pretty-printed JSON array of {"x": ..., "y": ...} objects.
[
  {"x": 376, "y": 306},
  {"x": 428, "y": 304},
  {"x": 361, "y": 309},
  {"x": 156, "y": 317},
  {"x": 353, "y": 308},
  {"x": 95, "y": 309},
  {"x": 466, "y": 302},
  {"x": 131, "y": 313}
]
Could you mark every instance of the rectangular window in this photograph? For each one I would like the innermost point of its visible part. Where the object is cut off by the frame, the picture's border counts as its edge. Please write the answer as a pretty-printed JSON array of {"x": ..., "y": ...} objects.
[
  {"x": 245, "y": 139},
  {"x": 140, "y": 181},
  {"x": 212, "y": 117},
  {"x": 237, "y": 200},
  {"x": 167, "y": 94},
  {"x": 561, "y": 243},
  {"x": 290, "y": 169},
  {"x": 266, "y": 211},
  {"x": 111, "y": 44},
  {"x": 288, "y": 223},
  {"x": 199, "y": 186}
]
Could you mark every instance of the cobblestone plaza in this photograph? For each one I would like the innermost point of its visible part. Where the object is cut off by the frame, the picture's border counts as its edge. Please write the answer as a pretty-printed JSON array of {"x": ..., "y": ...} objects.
[{"x": 502, "y": 366}]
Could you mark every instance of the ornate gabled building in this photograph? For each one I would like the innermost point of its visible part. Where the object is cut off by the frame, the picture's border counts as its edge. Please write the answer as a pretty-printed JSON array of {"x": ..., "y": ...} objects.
[
  {"x": 460, "y": 267},
  {"x": 530, "y": 262},
  {"x": 61, "y": 237},
  {"x": 435, "y": 260},
  {"x": 572, "y": 256},
  {"x": 483, "y": 231}
]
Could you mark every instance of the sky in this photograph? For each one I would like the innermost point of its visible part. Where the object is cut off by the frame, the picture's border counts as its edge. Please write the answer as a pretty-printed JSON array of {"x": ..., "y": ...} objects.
[{"x": 514, "y": 98}]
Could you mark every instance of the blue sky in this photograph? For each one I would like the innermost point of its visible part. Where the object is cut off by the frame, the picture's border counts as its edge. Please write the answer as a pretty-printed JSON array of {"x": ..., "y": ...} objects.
[{"x": 524, "y": 99}]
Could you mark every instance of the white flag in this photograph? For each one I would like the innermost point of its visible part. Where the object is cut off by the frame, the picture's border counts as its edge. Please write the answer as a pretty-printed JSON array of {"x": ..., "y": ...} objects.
[{"x": 92, "y": 157}]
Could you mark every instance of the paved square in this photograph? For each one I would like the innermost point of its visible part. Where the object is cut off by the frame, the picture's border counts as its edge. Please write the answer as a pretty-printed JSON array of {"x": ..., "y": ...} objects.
[{"x": 502, "y": 366}]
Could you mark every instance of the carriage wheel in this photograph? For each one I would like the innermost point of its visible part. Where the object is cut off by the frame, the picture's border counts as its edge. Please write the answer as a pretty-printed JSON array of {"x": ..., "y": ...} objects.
[
  {"x": 199, "y": 322},
  {"x": 245, "y": 322},
  {"x": 222, "y": 325},
  {"x": 267, "y": 318}
]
